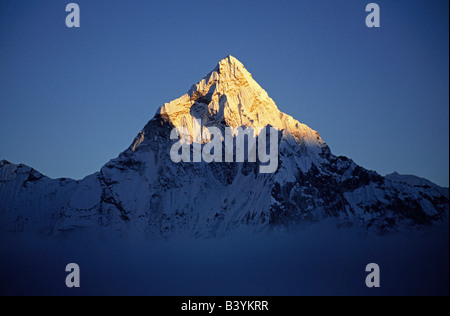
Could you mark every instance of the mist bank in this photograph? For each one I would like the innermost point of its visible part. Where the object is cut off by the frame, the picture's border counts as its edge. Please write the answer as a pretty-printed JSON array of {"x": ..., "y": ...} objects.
[{"x": 318, "y": 259}]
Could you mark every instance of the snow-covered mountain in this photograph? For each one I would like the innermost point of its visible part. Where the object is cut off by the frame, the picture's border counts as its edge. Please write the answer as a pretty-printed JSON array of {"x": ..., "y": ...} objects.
[{"x": 144, "y": 192}]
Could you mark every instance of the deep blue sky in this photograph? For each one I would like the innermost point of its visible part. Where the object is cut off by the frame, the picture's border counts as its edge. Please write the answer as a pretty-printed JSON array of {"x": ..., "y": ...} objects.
[{"x": 71, "y": 99}]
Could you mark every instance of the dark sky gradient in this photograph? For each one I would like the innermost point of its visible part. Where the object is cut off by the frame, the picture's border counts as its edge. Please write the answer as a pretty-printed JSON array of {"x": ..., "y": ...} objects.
[{"x": 71, "y": 99}]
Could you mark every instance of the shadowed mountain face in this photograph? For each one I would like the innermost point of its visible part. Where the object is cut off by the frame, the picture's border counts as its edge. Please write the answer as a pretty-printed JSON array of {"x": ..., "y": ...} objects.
[{"x": 143, "y": 192}]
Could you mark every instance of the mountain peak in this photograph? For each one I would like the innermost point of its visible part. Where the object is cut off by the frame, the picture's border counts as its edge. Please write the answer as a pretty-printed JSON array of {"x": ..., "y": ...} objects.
[
  {"x": 230, "y": 60},
  {"x": 229, "y": 96},
  {"x": 231, "y": 65},
  {"x": 4, "y": 162},
  {"x": 145, "y": 191}
]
